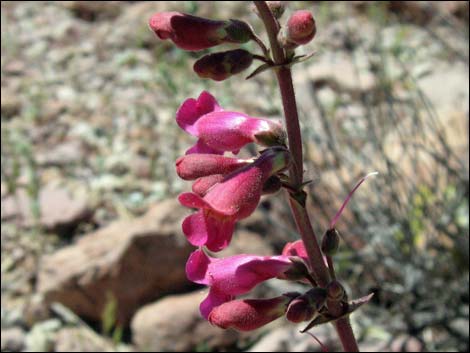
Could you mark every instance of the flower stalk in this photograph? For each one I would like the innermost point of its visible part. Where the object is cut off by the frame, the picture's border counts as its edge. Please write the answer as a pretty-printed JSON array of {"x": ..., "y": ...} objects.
[{"x": 284, "y": 78}]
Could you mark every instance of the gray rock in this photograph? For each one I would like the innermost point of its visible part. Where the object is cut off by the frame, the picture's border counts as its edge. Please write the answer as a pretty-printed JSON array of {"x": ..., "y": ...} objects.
[
  {"x": 59, "y": 210},
  {"x": 131, "y": 262},
  {"x": 12, "y": 339},
  {"x": 41, "y": 337},
  {"x": 174, "y": 324}
]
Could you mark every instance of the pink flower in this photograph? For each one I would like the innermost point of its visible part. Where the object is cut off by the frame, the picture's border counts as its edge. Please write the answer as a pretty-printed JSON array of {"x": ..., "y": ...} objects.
[
  {"x": 248, "y": 314},
  {"x": 193, "y": 166},
  {"x": 230, "y": 200},
  {"x": 196, "y": 33},
  {"x": 219, "y": 130},
  {"x": 232, "y": 276}
]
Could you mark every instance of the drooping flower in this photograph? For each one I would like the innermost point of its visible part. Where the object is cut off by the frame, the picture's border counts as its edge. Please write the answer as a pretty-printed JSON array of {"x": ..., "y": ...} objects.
[
  {"x": 232, "y": 276},
  {"x": 248, "y": 314},
  {"x": 196, "y": 33},
  {"x": 232, "y": 199},
  {"x": 222, "y": 65},
  {"x": 219, "y": 130}
]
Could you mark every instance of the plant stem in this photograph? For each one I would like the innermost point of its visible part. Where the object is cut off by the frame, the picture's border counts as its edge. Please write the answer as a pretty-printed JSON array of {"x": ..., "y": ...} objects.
[
  {"x": 284, "y": 77},
  {"x": 346, "y": 334}
]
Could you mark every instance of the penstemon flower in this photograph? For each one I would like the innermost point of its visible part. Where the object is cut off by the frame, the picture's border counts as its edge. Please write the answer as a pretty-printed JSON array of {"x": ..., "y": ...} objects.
[
  {"x": 196, "y": 33},
  {"x": 219, "y": 131},
  {"x": 234, "y": 275},
  {"x": 230, "y": 200},
  {"x": 249, "y": 314}
]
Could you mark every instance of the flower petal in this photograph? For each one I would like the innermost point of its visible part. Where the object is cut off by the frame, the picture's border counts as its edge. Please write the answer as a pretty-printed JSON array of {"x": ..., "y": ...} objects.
[
  {"x": 191, "y": 200},
  {"x": 196, "y": 267},
  {"x": 213, "y": 299},
  {"x": 194, "y": 228},
  {"x": 202, "y": 185},
  {"x": 192, "y": 109},
  {"x": 219, "y": 231},
  {"x": 201, "y": 147},
  {"x": 296, "y": 248}
]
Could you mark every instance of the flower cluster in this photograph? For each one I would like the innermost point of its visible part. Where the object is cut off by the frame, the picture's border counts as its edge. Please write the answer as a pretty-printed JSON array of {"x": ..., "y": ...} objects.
[{"x": 227, "y": 189}]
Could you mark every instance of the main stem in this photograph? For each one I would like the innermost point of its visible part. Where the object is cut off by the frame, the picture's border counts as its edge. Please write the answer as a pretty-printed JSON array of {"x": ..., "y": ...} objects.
[{"x": 284, "y": 78}]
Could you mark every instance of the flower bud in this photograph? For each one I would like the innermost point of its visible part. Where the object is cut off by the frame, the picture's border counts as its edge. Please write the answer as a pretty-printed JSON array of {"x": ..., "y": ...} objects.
[
  {"x": 248, "y": 314},
  {"x": 277, "y": 8},
  {"x": 335, "y": 291},
  {"x": 196, "y": 33},
  {"x": 330, "y": 242},
  {"x": 220, "y": 66},
  {"x": 300, "y": 310},
  {"x": 300, "y": 29},
  {"x": 306, "y": 306}
]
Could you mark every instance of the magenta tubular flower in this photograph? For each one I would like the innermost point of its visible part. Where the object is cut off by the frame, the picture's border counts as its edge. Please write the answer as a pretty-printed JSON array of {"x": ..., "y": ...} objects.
[
  {"x": 230, "y": 200},
  {"x": 248, "y": 314},
  {"x": 232, "y": 276},
  {"x": 193, "y": 166},
  {"x": 196, "y": 33},
  {"x": 219, "y": 130}
]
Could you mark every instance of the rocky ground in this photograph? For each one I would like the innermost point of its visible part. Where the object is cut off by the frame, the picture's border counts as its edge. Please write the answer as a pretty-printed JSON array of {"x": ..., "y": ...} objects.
[{"x": 92, "y": 251}]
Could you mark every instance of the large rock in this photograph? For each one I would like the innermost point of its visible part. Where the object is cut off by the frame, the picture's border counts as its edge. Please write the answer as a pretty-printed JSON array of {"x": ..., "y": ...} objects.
[
  {"x": 174, "y": 324},
  {"x": 60, "y": 211},
  {"x": 128, "y": 262}
]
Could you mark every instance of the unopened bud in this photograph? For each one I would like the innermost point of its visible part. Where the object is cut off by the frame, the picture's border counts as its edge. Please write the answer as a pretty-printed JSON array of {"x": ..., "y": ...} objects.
[
  {"x": 277, "y": 8},
  {"x": 306, "y": 306},
  {"x": 222, "y": 65},
  {"x": 196, "y": 33},
  {"x": 335, "y": 291},
  {"x": 300, "y": 29},
  {"x": 299, "y": 310},
  {"x": 330, "y": 242},
  {"x": 248, "y": 314}
]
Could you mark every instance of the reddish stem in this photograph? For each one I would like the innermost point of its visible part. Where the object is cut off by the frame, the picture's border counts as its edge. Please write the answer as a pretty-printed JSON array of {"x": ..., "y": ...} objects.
[
  {"x": 346, "y": 335},
  {"x": 284, "y": 77}
]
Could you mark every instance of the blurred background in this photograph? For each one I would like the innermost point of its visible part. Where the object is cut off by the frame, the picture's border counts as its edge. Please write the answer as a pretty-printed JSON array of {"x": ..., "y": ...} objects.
[{"x": 92, "y": 251}]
